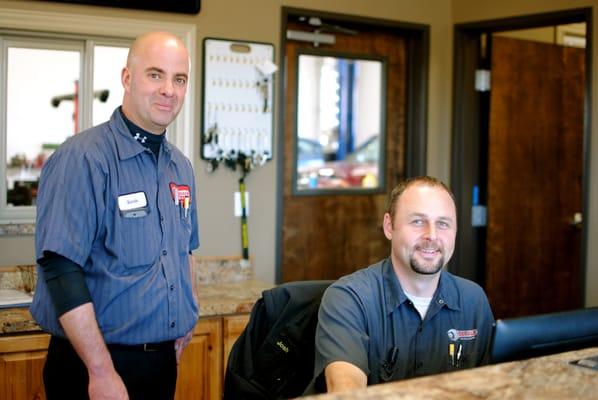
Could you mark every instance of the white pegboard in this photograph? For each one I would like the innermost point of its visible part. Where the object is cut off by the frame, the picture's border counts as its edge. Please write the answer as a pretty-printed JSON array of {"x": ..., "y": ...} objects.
[{"x": 238, "y": 98}]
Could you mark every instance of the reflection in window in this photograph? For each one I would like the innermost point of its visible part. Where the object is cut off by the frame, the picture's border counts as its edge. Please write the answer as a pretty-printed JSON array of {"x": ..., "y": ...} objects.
[
  {"x": 38, "y": 118},
  {"x": 43, "y": 106},
  {"x": 339, "y": 123},
  {"x": 107, "y": 87}
]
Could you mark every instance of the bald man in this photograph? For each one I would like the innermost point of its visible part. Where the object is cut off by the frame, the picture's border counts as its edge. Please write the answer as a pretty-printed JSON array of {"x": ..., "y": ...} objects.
[{"x": 116, "y": 224}]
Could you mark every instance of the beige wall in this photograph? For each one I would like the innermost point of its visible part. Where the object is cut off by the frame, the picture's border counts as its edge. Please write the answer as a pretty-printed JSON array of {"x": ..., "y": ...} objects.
[{"x": 259, "y": 20}]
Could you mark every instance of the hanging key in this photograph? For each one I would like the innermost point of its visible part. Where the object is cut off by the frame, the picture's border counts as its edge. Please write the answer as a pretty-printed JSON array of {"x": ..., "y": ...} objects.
[{"x": 263, "y": 88}]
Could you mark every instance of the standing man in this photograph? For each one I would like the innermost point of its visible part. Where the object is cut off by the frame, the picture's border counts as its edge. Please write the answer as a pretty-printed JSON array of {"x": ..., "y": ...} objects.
[
  {"x": 404, "y": 316},
  {"x": 116, "y": 224}
]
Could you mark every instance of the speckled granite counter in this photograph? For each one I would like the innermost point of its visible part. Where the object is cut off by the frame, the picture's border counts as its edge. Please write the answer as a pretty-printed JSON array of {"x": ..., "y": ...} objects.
[
  {"x": 214, "y": 299},
  {"x": 224, "y": 288},
  {"x": 550, "y": 377}
]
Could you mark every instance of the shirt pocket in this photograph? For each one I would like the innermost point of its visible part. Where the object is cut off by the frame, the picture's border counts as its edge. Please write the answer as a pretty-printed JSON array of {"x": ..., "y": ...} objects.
[
  {"x": 140, "y": 240},
  {"x": 466, "y": 359}
]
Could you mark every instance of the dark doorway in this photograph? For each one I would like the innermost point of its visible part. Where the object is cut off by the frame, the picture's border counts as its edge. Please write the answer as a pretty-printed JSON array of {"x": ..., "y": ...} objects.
[
  {"x": 327, "y": 235},
  {"x": 524, "y": 146}
]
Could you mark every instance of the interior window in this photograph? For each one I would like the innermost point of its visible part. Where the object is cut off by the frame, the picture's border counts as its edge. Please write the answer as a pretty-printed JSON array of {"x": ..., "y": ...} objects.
[
  {"x": 40, "y": 113},
  {"x": 107, "y": 88},
  {"x": 46, "y": 99},
  {"x": 102, "y": 45}
]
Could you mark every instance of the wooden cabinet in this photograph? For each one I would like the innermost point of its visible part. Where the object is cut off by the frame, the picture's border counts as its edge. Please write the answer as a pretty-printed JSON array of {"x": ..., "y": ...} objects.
[
  {"x": 21, "y": 363},
  {"x": 232, "y": 327},
  {"x": 200, "y": 370},
  {"x": 200, "y": 373}
]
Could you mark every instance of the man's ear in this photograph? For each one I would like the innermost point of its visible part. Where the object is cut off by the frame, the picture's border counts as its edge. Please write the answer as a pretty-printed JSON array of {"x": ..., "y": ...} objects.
[
  {"x": 125, "y": 78},
  {"x": 387, "y": 226}
]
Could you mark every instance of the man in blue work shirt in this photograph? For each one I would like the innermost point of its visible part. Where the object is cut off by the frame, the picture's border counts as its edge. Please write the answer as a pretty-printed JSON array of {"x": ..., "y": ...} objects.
[
  {"x": 116, "y": 224},
  {"x": 404, "y": 316}
]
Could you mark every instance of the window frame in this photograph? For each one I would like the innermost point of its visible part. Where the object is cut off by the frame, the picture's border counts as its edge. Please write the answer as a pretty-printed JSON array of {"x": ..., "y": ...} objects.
[{"x": 92, "y": 30}]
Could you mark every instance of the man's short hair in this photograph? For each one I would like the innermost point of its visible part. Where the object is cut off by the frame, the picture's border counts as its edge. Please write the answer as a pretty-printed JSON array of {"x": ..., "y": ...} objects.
[{"x": 391, "y": 205}]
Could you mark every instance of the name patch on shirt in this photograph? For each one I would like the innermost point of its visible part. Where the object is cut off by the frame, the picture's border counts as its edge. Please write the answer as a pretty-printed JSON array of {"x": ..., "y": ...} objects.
[
  {"x": 455, "y": 334},
  {"x": 133, "y": 205}
]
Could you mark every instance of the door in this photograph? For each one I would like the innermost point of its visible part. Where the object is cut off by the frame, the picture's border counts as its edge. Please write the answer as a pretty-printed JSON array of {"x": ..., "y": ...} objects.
[
  {"x": 535, "y": 169},
  {"x": 327, "y": 236}
]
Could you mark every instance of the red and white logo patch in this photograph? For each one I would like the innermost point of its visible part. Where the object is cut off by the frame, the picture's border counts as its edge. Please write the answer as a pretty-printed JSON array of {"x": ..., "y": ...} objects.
[{"x": 455, "y": 334}]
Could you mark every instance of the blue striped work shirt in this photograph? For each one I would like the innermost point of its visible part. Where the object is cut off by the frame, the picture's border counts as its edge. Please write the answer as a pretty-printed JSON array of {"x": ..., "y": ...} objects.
[{"x": 136, "y": 268}]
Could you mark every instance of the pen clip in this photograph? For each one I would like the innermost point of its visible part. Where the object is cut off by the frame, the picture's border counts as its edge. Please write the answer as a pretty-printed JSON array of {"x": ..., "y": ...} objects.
[{"x": 459, "y": 351}]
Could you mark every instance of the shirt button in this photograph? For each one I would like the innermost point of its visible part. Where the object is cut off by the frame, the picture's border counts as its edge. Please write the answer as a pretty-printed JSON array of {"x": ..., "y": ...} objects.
[
  {"x": 440, "y": 301},
  {"x": 419, "y": 328},
  {"x": 172, "y": 324},
  {"x": 164, "y": 252},
  {"x": 161, "y": 218},
  {"x": 171, "y": 287}
]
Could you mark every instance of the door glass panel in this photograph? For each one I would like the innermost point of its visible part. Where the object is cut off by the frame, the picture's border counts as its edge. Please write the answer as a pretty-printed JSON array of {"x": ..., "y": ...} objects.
[
  {"x": 41, "y": 112},
  {"x": 339, "y": 124},
  {"x": 107, "y": 88}
]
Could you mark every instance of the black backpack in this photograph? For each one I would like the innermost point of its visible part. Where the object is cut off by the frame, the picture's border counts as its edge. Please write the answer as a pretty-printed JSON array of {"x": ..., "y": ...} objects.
[{"x": 274, "y": 356}]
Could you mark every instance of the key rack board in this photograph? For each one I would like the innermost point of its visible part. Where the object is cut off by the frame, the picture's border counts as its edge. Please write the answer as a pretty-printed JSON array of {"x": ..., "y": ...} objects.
[{"x": 237, "y": 100}]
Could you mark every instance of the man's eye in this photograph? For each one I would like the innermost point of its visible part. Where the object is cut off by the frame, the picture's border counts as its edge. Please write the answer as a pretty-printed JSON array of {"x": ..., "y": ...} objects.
[
  {"x": 444, "y": 225},
  {"x": 417, "y": 222},
  {"x": 181, "y": 81},
  {"x": 154, "y": 75}
]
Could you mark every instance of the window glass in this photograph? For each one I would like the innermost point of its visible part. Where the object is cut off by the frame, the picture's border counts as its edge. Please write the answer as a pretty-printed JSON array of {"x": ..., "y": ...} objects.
[
  {"x": 41, "y": 112},
  {"x": 339, "y": 124},
  {"x": 107, "y": 86}
]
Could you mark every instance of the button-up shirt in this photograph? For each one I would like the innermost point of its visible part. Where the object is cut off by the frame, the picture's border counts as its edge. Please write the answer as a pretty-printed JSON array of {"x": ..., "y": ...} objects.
[
  {"x": 135, "y": 262},
  {"x": 367, "y": 320}
]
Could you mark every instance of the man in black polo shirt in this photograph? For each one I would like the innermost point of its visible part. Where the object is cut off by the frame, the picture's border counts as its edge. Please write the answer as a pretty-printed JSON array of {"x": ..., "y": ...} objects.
[{"x": 404, "y": 316}]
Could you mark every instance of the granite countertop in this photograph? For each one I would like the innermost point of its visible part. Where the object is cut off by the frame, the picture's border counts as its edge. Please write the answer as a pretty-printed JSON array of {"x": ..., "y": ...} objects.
[
  {"x": 224, "y": 287},
  {"x": 550, "y": 377},
  {"x": 214, "y": 300}
]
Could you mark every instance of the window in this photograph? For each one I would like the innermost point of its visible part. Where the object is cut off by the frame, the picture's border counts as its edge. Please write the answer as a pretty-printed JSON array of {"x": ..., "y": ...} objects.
[{"x": 56, "y": 79}]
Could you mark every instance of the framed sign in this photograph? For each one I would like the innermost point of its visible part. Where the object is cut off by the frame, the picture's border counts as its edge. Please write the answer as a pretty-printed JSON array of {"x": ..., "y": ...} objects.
[{"x": 181, "y": 6}]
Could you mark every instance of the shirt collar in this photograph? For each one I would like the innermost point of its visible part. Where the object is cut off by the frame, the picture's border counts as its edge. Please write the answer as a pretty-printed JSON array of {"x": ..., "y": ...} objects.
[
  {"x": 447, "y": 292},
  {"x": 126, "y": 145},
  {"x": 445, "y": 295},
  {"x": 393, "y": 293}
]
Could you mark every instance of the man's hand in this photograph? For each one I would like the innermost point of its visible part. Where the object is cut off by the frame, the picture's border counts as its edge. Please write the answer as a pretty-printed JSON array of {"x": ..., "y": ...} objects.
[
  {"x": 342, "y": 376},
  {"x": 181, "y": 343},
  {"x": 82, "y": 330},
  {"x": 107, "y": 386}
]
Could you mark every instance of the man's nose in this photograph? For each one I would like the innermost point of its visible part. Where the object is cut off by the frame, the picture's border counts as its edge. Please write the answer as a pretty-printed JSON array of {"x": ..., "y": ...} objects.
[
  {"x": 430, "y": 232},
  {"x": 167, "y": 88}
]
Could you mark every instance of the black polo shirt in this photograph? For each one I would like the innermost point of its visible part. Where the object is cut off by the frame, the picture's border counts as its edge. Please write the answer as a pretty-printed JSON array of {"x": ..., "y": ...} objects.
[{"x": 365, "y": 315}]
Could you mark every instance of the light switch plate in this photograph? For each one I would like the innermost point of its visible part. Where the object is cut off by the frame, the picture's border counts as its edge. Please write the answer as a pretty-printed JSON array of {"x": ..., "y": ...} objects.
[{"x": 238, "y": 204}]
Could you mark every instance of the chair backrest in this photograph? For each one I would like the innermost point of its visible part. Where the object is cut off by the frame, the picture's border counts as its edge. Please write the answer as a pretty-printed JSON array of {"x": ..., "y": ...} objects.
[{"x": 274, "y": 356}]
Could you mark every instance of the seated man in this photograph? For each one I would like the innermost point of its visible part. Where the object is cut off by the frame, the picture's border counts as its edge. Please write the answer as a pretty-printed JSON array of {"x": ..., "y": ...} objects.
[{"x": 404, "y": 316}]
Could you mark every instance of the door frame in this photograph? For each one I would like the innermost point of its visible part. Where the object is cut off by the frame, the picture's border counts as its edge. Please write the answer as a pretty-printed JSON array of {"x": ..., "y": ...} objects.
[
  {"x": 418, "y": 45},
  {"x": 469, "y": 158}
]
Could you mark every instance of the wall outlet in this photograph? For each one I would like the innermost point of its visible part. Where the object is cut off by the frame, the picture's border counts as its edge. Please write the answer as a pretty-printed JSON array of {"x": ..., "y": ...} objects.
[{"x": 237, "y": 201}]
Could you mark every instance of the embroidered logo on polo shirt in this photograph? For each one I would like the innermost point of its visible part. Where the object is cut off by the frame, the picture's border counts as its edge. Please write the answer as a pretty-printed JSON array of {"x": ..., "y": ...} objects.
[{"x": 455, "y": 334}]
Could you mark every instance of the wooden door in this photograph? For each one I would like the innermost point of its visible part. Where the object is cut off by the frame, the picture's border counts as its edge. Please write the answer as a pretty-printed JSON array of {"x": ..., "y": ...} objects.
[
  {"x": 327, "y": 236},
  {"x": 535, "y": 170}
]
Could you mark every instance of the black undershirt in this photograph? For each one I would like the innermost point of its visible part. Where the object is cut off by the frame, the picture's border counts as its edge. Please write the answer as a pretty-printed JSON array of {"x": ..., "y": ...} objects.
[{"x": 147, "y": 139}]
